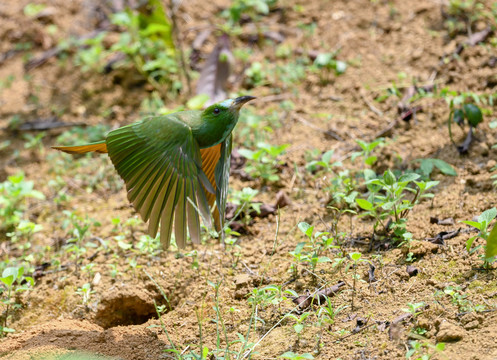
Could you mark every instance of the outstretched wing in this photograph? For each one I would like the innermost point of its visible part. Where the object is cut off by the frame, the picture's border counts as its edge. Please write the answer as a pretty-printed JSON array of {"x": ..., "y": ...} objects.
[{"x": 159, "y": 160}]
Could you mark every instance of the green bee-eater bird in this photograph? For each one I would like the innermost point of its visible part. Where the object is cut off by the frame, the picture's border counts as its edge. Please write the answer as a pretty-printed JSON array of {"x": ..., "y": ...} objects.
[{"x": 175, "y": 166}]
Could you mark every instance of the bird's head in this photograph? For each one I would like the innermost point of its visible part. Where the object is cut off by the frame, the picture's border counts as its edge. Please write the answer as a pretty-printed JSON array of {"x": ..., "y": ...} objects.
[{"x": 226, "y": 108}]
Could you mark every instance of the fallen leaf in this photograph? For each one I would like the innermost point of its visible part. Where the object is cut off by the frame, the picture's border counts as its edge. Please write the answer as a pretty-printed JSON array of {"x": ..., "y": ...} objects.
[{"x": 216, "y": 71}]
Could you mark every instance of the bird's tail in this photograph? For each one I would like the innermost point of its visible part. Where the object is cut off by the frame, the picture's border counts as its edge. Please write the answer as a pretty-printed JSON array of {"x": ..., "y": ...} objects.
[{"x": 99, "y": 147}]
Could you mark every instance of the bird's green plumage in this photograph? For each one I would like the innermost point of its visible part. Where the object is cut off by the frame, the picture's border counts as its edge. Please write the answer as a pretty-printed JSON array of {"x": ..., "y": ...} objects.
[{"x": 159, "y": 160}]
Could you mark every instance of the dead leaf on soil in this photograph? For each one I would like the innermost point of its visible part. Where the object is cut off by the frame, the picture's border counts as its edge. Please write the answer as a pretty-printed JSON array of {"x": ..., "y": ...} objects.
[
  {"x": 318, "y": 298},
  {"x": 216, "y": 71}
]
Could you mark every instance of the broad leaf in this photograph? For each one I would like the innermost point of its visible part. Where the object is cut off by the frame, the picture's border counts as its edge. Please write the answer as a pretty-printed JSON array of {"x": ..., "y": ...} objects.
[
  {"x": 364, "y": 204},
  {"x": 491, "y": 249},
  {"x": 444, "y": 167},
  {"x": 487, "y": 215}
]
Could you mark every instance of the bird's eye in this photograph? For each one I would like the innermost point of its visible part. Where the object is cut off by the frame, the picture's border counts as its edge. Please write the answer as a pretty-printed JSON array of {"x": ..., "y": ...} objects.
[{"x": 216, "y": 111}]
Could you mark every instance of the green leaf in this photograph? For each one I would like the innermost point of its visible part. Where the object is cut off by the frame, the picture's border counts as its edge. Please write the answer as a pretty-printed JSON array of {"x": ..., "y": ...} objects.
[
  {"x": 408, "y": 177},
  {"x": 364, "y": 204},
  {"x": 355, "y": 256},
  {"x": 326, "y": 158},
  {"x": 487, "y": 215},
  {"x": 306, "y": 229},
  {"x": 473, "y": 114},
  {"x": 491, "y": 248},
  {"x": 298, "y": 328},
  {"x": 293, "y": 356},
  {"x": 470, "y": 242},
  {"x": 444, "y": 167},
  {"x": 11, "y": 271},
  {"x": 389, "y": 177},
  {"x": 7, "y": 280},
  {"x": 340, "y": 67},
  {"x": 472, "y": 223},
  {"x": 458, "y": 117},
  {"x": 324, "y": 259},
  {"x": 249, "y": 154},
  {"x": 370, "y": 160},
  {"x": 426, "y": 167}
]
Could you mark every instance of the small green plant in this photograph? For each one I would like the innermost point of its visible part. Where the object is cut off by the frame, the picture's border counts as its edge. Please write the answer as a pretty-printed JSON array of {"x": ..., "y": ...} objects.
[
  {"x": 13, "y": 281},
  {"x": 325, "y": 63},
  {"x": 459, "y": 299},
  {"x": 23, "y": 234},
  {"x": 311, "y": 251},
  {"x": 256, "y": 75},
  {"x": 294, "y": 356},
  {"x": 35, "y": 142},
  {"x": 423, "y": 350},
  {"x": 387, "y": 199},
  {"x": 326, "y": 317},
  {"x": 220, "y": 323},
  {"x": 146, "y": 44},
  {"x": 85, "y": 292},
  {"x": 263, "y": 162},
  {"x": 253, "y": 9},
  {"x": 13, "y": 195},
  {"x": 366, "y": 152},
  {"x": 482, "y": 224},
  {"x": 324, "y": 164},
  {"x": 356, "y": 258},
  {"x": 469, "y": 112},
  {"x": 412, "y": 308},
  {"x": 245, "y": 205},
  {"x": 78, "y": 228},
  {"x": 299, "y": 323}
]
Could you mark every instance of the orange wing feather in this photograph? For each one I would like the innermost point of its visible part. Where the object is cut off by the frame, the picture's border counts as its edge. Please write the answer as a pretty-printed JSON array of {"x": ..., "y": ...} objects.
[
  {"x": 210, "y": 157},
  {"x": 99, "y": 148}
]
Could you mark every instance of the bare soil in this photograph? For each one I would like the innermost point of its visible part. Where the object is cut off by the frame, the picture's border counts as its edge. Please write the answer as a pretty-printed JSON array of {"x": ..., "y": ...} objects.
[{"x": 379, "y": 40}]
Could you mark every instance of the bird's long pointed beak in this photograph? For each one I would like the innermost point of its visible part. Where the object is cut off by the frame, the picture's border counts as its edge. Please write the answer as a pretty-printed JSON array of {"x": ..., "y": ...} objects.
[{"x": 240, "y": 101}]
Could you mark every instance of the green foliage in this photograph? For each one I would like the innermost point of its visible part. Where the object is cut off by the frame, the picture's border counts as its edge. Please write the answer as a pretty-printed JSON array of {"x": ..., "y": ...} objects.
[
  {"x": 245, "y": 205},
  {"x": 469, "y": 112},
  {"x": 13, "y": 280},
  {"x": 463, "y": 14},
  {"x": 323, "y": 164},
  {"x": 491, "y": 248},
  {"x": 13, "y": 195},
  {"x": 328, "y": 312},
  {"x": 366, "y": 151},
  {"x": 427, "y": 165},
  {"x": 32, "y": 9},
  {"x": 459, "y": 299},
  {"x": 412, "y": 308},
  {"x": 270, "y": 295},
  {"x": 387, "y": 198},
  {"x": 263, "y": 161},
  {"x": 311, "y": 251},
  {"x": 256, "y": 75},
  {"x": 423, "y": 350},
  {"x": 293, "y": 356},
  {"x": 23, "y": 235},
  {"x": 299, "y": 321},
  {"x": 251, "y": 8},
  {"x": 325, "y": 63},
  {"x": 146, "y": 41},
  {"x": 482, "y": 224},
  {"x": 85, "y": 292},
  {"x": 87, "y": 134},
  {"x": 78, "y": 228}
]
